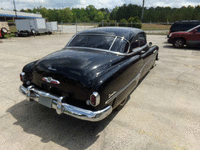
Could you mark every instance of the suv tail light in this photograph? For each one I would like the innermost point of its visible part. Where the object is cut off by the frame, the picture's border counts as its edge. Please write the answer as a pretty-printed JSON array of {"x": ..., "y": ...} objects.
[
  {"x": 95, "y": 99},
  {"x": 22, "y": 76}
]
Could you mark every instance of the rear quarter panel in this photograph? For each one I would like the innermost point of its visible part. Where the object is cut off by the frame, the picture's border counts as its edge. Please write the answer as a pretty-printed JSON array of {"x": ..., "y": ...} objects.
[{"x": 116, "y": 79}]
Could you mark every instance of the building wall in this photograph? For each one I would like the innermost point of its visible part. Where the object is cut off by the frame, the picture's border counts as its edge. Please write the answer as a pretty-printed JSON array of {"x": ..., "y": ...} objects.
[{"x": 9, "y": 15}]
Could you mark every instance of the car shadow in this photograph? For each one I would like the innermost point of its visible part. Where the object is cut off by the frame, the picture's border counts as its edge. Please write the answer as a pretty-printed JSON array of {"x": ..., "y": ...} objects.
[
  {"x": 64, "y": 130},
  {"x": 184, "y": 48}
]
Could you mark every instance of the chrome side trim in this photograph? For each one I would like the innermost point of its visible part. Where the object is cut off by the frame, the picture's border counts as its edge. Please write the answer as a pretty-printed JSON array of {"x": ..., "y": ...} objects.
[
  {"x": 155, "y": 51},
  {"x": 123, "y": 89},
  {"x": 33, "y": 93}
]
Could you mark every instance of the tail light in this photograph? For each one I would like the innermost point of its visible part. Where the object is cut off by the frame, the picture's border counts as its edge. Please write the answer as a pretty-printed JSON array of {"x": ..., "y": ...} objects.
[
  {"x": 95, "y": 99},
  {"x": 22, "y": 76}
]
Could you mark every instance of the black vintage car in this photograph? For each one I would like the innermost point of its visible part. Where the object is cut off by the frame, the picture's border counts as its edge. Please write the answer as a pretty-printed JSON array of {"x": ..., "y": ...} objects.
[{"x": 93, "y": 74}]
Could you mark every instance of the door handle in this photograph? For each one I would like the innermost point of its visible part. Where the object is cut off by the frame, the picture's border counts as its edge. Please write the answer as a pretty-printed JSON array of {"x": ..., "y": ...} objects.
[{"x": 142, "y": 52}]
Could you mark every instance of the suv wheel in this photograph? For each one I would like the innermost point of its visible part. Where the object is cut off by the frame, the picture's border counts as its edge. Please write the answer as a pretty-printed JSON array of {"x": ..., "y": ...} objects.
[{"x": 178, "y": 43}]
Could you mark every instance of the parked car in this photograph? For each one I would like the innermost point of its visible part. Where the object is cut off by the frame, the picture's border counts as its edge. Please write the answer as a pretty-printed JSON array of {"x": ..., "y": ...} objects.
[
  {"x": 189, "y": 38},
  {"x": 183, "y": 25},
  {"x": 93, "y": 74},
  {"x": 4, "y": 28}
]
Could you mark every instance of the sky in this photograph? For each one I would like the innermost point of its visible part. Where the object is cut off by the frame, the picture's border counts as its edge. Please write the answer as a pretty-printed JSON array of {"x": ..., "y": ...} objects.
[{"x": 110, "y": 4}]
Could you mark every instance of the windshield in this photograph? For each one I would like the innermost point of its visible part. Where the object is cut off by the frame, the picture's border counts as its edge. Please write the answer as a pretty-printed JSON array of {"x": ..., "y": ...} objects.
[
  {"x": 112, "y": 43},
  {"x": 193, "y": 28}
]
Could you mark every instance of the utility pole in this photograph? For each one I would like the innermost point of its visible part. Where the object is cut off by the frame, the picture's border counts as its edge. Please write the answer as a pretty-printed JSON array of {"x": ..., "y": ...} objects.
[
  {"x": 15, "y": 9},
  {"x": 142, "y": 10}
]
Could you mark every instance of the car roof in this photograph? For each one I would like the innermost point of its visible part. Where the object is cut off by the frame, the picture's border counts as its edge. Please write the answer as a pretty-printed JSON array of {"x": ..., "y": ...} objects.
[{"x": 126, "y": 32}]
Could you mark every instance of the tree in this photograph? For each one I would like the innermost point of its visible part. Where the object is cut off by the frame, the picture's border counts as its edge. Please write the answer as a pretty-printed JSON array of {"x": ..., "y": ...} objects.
[
  {"x": 99, "y": 17},
  {"x": 131, "y": 19},
  {"x": 196, "y": 13},
  {"x": 65, "y": 15},
  {"x": 123, "y": 23},
  {"x": 52, "y": 15},
  {"x": 22, "y": 10},
  {"x": 44, "y": 12},
  {"x": 91, "y": 11},
  {"x": 114, "y": 13}
]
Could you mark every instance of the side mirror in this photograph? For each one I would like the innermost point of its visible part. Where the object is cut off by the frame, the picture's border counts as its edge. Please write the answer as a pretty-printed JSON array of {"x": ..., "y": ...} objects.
[{"x": 150, "y": 44}]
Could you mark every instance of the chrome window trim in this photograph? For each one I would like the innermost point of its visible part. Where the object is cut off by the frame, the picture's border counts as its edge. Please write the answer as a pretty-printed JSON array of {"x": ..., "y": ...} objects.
[
  {"x": 113, "y": 43},
  {"x": 193, "y": 28},
  {"x": 117, "y": 53},
  {"x": 70, "y": 40},
  {"x": 138, "y": 49}
]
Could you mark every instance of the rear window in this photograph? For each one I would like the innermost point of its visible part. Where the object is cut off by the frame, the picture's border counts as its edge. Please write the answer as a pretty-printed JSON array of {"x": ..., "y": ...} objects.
[
  {"x": 92, "y": 41},
  {"x": 112, "y": 43}
]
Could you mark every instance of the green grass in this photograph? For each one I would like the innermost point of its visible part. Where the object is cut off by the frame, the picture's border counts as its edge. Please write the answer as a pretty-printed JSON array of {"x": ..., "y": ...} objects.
[
  {"x": 9, "y": 35},
  {"x": 13, "y": 29}
]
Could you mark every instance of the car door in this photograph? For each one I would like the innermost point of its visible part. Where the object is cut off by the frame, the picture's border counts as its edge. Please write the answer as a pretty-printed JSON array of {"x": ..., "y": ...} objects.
[
  {"x": 193, "y": 37},
  {"x": 197, "y": 36},
  {"x": 146, "y": 53}
]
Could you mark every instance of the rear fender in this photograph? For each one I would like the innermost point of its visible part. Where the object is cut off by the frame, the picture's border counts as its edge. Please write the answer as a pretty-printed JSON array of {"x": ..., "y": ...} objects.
[{"x": 110, "y": 84}]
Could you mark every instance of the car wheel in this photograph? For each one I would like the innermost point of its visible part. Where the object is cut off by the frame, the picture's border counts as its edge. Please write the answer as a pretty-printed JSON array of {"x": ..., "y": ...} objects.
[
  {"x": 27, "y": 33},
  {"x": 16, "y": 34},
  {"x": 178, "y": 43},
  {"x": 4, "y": 30},
  {"x": 122, "y": 104},
  {"x": 33, "y": 32}
]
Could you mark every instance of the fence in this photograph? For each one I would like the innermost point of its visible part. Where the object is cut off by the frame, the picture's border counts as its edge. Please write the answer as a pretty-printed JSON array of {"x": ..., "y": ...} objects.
[{"x": 77, "y": 27}]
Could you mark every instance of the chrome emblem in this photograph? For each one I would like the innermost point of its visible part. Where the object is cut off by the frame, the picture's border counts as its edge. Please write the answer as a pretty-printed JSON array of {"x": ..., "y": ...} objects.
[
  {"x": 50, "y": 80},
  {"x": 50, "y": 68},
  {"x": 110, "y": 95}
]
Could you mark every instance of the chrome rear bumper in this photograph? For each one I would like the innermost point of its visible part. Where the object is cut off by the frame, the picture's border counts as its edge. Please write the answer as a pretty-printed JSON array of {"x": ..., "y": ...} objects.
[{"x": 35, "y": 94}]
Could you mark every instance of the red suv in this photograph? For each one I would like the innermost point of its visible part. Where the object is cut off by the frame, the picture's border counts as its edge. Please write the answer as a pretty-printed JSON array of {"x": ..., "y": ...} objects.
[{"x": 190, "y": 37}]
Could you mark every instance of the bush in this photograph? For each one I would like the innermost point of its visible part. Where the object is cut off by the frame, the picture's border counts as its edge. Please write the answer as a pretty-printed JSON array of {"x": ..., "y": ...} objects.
[
  {"x": 111, "y": 23},
  {"x": 123, "y": 23},
  {"x": 135, "y": 22},
  {"x": 107, "y": 24},
  {"x": 10, "y": 21}
]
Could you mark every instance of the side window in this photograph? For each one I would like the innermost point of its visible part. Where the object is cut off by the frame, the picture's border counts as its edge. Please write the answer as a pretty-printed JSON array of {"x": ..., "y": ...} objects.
[
  {"x": 134, "y": 44},
  {"x": 198, "y": 30},
  {"x": 120, "y": 45},
  {"x": 138, "y": 41},
  {"x": 142, "y": 39}
]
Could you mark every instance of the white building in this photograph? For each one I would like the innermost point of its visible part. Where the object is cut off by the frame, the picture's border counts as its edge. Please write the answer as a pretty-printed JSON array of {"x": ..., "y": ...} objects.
[{"x": 10, "y": 15}]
